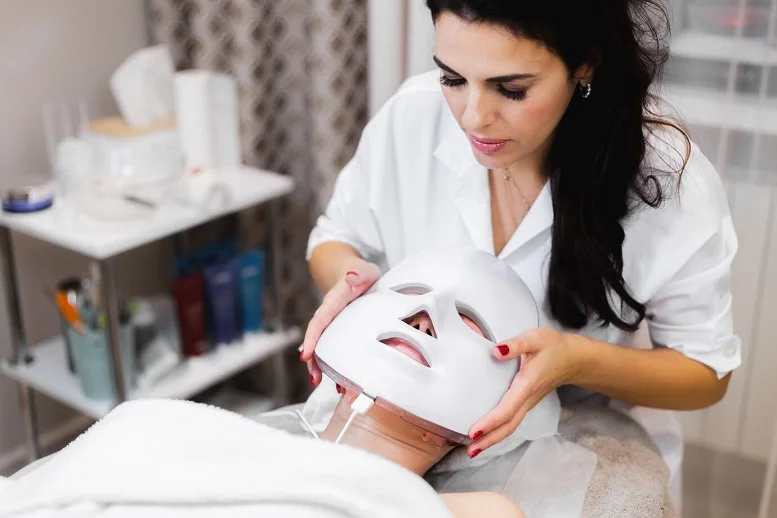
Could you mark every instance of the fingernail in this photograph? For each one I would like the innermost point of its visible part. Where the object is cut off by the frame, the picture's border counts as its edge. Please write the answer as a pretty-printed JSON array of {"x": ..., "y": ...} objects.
[
  {"x": 477, "y": 434},
  {"x": 312, "y": 380},
  {"x": 340, "y": 389},
  {"x": 474, "y": 454},
  {"x": 503, "y": 349},
  {"x": 351, "y": 272}
]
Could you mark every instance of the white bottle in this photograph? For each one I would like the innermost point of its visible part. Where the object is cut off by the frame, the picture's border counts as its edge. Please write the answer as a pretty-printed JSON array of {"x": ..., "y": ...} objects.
[{"x": 206, "y": 108}]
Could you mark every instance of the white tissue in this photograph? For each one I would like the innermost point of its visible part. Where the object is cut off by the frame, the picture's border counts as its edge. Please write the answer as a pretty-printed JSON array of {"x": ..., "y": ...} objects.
[
  {"x": 552, "y": 479},
  {"x": 143, "y": 86},
  {"x": 202, "y": 188},
  {"x": 320, "y": 406}
]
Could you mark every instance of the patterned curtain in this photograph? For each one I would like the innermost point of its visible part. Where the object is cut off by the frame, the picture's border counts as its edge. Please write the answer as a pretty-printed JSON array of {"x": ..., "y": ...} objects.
[{"x": 301, "y": 69}]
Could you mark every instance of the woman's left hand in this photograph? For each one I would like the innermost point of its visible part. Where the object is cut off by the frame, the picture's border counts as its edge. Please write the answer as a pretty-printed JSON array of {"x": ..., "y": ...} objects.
[{"x": 547, "y": 362}]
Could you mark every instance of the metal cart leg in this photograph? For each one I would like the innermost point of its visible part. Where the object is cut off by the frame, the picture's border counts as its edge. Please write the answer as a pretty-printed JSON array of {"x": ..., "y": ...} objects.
[
  {"x": 110, "y": 301},
  {"x": 30, "y": 423},
  {"x": 21, "y": 354},
  {"x": 276, "y": 260},
  {"x": 281, "y": 380}
]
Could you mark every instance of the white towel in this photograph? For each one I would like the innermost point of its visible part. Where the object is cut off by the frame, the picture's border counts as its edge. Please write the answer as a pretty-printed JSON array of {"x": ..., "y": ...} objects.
[{"x": 177, "y": 458}]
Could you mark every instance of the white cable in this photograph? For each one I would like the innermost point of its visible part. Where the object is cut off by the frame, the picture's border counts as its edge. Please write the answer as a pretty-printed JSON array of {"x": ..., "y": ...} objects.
[
  {"x": 306, "y": 424},
  {"x": 361, "y": 405},
  {"x": 347, "y": 424}
]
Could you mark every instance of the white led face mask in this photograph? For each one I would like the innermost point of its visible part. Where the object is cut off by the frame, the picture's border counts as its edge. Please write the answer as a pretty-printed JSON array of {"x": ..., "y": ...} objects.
[{"x": 362, "y": 349}]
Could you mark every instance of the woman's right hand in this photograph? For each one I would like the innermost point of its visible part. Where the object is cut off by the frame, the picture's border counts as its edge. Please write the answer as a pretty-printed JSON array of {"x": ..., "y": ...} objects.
[{"x": 359, "y": 278}]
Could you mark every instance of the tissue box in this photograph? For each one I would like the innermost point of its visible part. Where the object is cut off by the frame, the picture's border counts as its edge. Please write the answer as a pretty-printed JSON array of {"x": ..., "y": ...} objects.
[
  {"x": 206, "y": 108},
  {"x": 129, "y": 156}
]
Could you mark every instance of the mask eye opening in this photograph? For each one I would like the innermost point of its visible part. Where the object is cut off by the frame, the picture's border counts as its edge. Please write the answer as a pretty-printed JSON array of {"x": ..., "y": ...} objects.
[
  {"x": 473, "y": 315},
  {"x": 411, "y": 289}
]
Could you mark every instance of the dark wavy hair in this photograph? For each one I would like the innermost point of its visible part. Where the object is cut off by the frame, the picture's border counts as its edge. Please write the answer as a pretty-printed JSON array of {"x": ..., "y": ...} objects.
[{"x": 596, "y": 162}]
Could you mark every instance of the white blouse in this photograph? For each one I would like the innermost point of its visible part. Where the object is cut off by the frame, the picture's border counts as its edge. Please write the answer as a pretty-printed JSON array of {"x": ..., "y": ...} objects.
[{"x": 415, "y": 183}]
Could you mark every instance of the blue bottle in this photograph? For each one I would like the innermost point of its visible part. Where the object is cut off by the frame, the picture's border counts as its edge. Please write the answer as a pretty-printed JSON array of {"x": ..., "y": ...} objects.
[
  {"x": 221, "y": 281},
  {"x": 251, "y": 266}
]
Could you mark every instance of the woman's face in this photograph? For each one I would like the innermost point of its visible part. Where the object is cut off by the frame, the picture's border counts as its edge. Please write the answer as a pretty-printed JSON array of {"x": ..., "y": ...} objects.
[{"x": 507, "y": 93}]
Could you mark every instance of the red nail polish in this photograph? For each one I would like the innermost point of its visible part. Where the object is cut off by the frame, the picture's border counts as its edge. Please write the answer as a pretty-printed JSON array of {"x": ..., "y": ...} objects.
[
  {"x": 340, "y": 389},
  {"x": 474, "y": 454},
  {"x": 477, "y": 434},
  {"x": 503, "y": 349}
]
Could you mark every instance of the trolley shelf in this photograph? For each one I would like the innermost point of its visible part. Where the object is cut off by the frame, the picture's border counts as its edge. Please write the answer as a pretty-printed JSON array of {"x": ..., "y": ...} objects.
[
  {"x": 64, "y": 226},
  {"x": 48, "y": 373}
]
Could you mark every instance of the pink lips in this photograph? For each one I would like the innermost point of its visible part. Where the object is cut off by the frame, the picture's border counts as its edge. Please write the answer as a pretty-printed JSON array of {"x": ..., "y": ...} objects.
[
  {"x": 403, "y": 346},
  {"x": 486, "y": 145}
]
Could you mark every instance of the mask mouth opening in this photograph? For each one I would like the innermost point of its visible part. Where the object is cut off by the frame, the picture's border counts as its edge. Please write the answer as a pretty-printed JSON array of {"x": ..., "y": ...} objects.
[{"x": 404, "y": 345}]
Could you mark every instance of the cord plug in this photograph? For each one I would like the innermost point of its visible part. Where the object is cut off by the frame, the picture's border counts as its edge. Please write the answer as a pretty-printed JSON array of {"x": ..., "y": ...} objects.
[{"x": 362, "y": 403}]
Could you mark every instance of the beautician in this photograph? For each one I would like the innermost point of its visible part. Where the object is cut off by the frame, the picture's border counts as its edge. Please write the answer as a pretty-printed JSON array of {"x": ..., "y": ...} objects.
[{"x": 537, "y": 140}]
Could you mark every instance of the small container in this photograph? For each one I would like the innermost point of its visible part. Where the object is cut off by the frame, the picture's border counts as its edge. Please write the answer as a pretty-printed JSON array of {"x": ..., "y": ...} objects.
[
  {"x": 28, "y": 198},
  {"x": 252, "y": 290},
  {"x": 75, "y": 290},
  {"x": 92, "y": 356}
]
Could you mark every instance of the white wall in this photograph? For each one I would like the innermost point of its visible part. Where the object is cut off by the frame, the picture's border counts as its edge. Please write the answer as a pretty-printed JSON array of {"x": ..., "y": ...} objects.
[
  {"x": 744, "y": 422},
  {"x": 57, "y": 50}
]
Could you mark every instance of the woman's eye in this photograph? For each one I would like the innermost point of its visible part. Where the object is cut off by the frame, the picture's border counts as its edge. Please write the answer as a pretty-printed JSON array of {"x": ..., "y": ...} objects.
[
  {"x": 452, "y": 82},
  {"x": 513, "y": 95}
]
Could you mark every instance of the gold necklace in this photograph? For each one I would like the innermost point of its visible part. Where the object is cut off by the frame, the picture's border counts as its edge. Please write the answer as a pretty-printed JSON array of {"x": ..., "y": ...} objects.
[{"x": 509, "y": 178}]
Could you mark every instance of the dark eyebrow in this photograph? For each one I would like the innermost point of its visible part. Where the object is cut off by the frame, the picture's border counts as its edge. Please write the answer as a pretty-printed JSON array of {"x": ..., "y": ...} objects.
[{"x": 499, "y": 79}]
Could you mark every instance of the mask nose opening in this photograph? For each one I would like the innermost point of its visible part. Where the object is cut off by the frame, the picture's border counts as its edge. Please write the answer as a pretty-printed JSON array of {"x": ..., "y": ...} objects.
[{"x": 422, "y": 322}]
